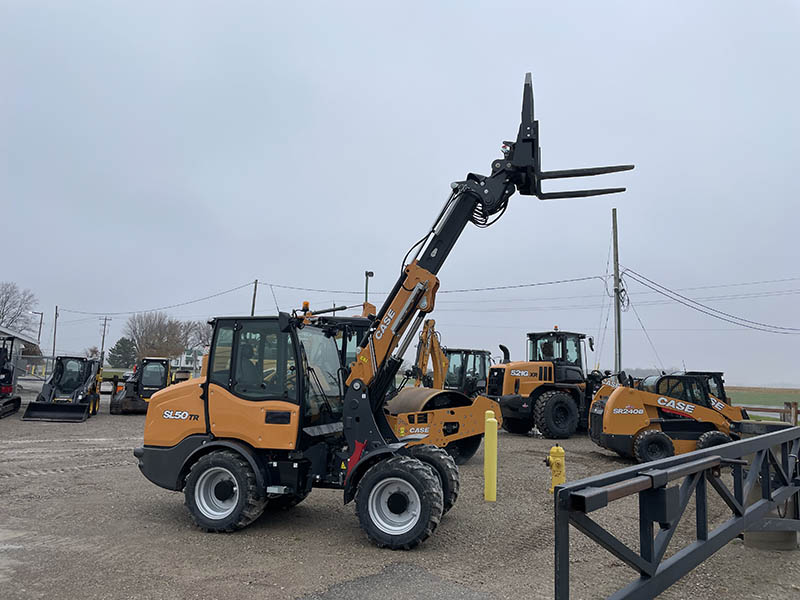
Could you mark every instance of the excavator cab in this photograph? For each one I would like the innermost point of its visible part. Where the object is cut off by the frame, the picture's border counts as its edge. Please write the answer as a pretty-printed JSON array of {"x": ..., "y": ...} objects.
[
  {"x": 71, "y": 394},
  {"x": 9, "y": 400},
  {"x": 467, "y": 370}
]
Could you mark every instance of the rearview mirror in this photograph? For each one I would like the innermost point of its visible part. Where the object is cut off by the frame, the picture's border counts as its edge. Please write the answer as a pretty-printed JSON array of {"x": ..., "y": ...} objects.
[
  {"x": 591, "y": 343},
  {"x": 284, "y": 322}
]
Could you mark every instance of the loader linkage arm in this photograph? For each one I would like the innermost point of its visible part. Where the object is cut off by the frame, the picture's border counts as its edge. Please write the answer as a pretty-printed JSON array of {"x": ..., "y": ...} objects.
[{"x": 476, "y": 200}]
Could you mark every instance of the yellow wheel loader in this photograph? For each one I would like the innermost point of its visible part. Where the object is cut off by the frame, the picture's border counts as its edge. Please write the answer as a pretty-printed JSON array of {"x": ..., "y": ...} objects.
[
  {"x": 550, "y": 390},
  {"x": 71, "y": 394},
  {"x": 276, "y": 415},
  {"x": 150, "y": 375},
  {"x": 663, "y": 415}
]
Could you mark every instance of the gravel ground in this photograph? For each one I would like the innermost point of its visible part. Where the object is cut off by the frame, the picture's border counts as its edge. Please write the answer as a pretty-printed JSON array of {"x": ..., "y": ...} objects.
[{"x": 77, "y": 519}]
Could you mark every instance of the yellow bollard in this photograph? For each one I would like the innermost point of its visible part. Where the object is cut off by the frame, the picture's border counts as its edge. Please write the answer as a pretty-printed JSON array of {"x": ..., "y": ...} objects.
[
  {"x": 490, "y": 458},
  {"x": 556, "y": 460}
]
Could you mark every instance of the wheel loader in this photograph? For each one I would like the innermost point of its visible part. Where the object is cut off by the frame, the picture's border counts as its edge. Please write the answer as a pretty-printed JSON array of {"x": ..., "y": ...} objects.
[
  {"x": 276, "y": 415},
  {"x": 10, "y": 401},
  {"x": 71, "y": 394},
  {"x": 663, "y": 415},
  {"x": 550, "y": 390},
  {"x": 150, "y": 375}
]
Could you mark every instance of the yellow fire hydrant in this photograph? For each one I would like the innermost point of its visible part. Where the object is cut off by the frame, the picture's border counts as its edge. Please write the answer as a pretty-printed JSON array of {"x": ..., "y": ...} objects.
[{"x": 558, "y": 470}]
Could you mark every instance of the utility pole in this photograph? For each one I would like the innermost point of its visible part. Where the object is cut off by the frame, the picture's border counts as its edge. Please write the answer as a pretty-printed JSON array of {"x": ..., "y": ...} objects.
[
  {"x": 103, "y": 342},
  {"x": 55, "y": 327},
  {"x": 41, "y": 318},
  {"x": 253, "y": 307},
  {"x": 617, "y": 298},
  {"x": 367, "y": 275}
]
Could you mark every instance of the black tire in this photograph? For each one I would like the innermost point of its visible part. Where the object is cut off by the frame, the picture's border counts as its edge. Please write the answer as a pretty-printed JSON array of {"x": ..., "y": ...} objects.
[
  {"x": 412, "y": 474},
  {"x": 712, "y": 438},
  {"x": 95, "y": 405},
  {"x": 518, "y": 426},
  {"x": 652, "y": 444},
  {"x": 223, "y": 481},
  {"x": 445, "y": 468},
  {"x": 556, "y": 415},
  {"x": 286, "y": 501},
  {"x": 464, "y": 449},
  {"x": 115, "y": 404}
]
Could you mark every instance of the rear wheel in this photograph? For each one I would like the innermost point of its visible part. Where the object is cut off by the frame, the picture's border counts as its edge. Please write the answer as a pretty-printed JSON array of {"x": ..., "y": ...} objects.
[
  {"x": 518, "y": 426},
  {"x": 444, "y": 466},
  {"x": 712, "y": 438},
  {"x": 556, "y": 414},
  {"x": 399, "y": 502},
  {"x": 652, "y": 444},
  {"x": 115, "y": 404},
  {"x": 464, "y": 449},
  {"x": 221, "y": 492}
]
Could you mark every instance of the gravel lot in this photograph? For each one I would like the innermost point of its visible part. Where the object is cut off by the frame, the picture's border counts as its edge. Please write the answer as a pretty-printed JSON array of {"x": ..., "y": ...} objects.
[{"x": 77, "y": 519}]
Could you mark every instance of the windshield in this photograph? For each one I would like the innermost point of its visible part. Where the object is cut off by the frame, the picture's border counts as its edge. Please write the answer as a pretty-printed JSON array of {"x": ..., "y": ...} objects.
[
  {"x": 322, "y": 390},
  {"x": 546, "y": 348},
  {"x": 154, "y": 374},
  {"x": 69, "y": 374}
]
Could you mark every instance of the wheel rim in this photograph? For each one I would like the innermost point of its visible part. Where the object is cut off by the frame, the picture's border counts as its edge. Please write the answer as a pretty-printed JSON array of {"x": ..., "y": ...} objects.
[
  {"x": 560, "y": 415},
  {"x": 394, "y": 506},
  {"x": 216, "y": 493}
]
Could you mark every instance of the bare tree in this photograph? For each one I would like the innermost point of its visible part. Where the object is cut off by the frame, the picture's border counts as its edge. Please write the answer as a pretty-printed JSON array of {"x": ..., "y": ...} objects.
[
  {"x": 92, "y": 352},
  {"x": 16, "y": 306},
  {"x": 198, "y": 335},
  {"x": 157, "y": 334}
]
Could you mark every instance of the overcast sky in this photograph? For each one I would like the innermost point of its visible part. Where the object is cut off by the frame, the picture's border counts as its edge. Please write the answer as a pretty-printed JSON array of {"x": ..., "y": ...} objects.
[{"x": 157, "y": 152}]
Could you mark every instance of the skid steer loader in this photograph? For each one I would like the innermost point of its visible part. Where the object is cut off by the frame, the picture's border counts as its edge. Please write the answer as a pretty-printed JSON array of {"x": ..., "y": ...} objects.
[
  {"x": 10, "y": 401},
  {"x": 663, "y": 415},
  {"x": 276, "y": 414},
  {"x": 150, "y": 375},
  {"x": 71, "y": 394},
  {"x": 550, "y": 390}
]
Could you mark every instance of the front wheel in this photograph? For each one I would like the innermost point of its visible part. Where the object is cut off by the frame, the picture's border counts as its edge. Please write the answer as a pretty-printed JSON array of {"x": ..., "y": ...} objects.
[
  {"x": 464, "y": 449},
  {"x": 444, "y": 467},
  {"x": 399, "y": 503},
  {"x": 556, "y": 415},
  {"x": 221, "y": 492}
]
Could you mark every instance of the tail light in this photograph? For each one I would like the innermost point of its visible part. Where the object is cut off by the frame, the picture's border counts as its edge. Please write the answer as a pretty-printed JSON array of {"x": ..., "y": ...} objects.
[{"x": 6, "y": 389}]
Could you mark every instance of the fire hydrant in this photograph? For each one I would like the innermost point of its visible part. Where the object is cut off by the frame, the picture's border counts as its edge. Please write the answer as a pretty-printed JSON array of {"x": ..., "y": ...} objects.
[{"x": 557, "y": 463}]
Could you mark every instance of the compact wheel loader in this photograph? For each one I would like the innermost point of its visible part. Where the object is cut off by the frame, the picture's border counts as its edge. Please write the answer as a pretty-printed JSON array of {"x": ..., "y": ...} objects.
[
  {"x": 71, "y": 394},
  {"x": 275, "y": 415},
  {"x": 663, "y": 415},
  {"x": 10, "y": 401},
  {"x": 550, "y": 390},
  {"x": 150, "y": 375}
]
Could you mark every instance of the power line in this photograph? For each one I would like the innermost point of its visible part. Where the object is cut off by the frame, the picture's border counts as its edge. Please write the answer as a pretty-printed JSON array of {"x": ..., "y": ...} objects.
[
  {"x": 133, "y": 312},
  {"x": 712, "y": 312},
  {"x": 647, "y": 335}
]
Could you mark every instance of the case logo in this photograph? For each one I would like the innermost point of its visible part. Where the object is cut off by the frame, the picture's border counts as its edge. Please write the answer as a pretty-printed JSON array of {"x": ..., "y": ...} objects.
[
  {"x": 676, "y": 405},
  {"x": 385, "y": 322}
]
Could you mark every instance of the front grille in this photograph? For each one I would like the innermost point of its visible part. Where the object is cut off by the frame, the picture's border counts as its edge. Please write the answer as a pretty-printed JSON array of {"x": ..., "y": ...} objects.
[{"x": 494, "y": 387}]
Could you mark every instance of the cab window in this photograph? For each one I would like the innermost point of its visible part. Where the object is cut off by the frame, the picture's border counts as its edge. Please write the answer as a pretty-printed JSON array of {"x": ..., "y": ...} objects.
[
  {"x": 220, "y": 368},
  {"x": 154, "y": 374},
  {"x": 454, "y": 370},
  {"x": 264, "y": 364},
  {"x": 548, "y": 349},
  {"x": 323, "y": 394},
  {"x": 672, "y": 387},
  {"x": 573, "y": 351}
]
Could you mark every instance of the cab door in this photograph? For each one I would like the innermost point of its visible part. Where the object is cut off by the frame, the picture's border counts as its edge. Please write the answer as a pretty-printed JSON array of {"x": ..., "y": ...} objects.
[{"x": 253, "y": 384}]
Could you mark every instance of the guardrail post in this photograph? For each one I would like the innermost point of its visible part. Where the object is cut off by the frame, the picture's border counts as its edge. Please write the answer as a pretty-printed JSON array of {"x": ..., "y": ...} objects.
[{"x": 561, "y": 548}]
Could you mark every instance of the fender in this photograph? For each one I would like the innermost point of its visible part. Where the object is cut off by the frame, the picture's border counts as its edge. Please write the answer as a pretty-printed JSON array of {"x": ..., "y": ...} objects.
[
  {"x": 243, "y": 449},
  {"x": 365, "y": 462}
]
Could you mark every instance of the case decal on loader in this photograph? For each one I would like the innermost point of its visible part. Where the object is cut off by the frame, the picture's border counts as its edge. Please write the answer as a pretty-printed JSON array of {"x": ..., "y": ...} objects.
[
  {"x": 676, "y": 405},
  {"x": 716, "y": 404},
  {"x": 385, "y": 323}
]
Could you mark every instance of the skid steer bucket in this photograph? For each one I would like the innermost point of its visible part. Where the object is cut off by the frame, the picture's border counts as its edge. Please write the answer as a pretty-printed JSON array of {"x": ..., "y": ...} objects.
[{"x": 56, "y": 411}]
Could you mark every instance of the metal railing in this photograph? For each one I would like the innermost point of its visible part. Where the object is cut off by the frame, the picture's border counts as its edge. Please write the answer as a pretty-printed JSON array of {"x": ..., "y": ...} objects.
[{"x": 662, "y": 506}]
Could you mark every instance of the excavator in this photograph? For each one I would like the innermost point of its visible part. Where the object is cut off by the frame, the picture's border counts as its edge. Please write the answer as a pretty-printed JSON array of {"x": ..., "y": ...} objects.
[
  {"x": 71, "y": 394},
  {"x": 275, "y": 414},
  {"x": 10, "y": 401}
]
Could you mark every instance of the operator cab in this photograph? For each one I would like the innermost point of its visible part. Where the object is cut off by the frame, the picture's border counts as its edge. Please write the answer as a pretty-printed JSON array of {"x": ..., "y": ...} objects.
[
  {"x": 467, "y": 370},
  {"x": 681, "y": 386},
  {"x": 563, "y": 349}
]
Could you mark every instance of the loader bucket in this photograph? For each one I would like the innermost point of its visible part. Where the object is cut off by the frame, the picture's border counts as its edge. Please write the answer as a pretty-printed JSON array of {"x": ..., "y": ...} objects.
[{"x": 55, "y": 411}]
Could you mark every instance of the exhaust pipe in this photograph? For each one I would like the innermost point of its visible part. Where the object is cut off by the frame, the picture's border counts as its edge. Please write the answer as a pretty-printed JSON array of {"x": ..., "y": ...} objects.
[{"x": 506, "y": 355}]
